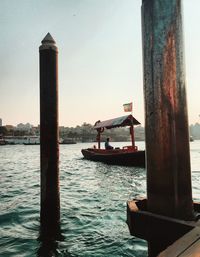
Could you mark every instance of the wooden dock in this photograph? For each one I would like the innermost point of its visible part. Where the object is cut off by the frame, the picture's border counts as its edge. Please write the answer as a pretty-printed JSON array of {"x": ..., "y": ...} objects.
[{"x": 186, "y": 246}]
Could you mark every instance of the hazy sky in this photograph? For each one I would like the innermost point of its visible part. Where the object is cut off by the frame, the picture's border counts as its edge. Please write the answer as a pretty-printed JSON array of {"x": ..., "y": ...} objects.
[{"x": 100, "y": 58}]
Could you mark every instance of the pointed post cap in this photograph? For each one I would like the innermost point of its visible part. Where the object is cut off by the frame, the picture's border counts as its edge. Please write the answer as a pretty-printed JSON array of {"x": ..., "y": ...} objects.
[{"x": 48, "y": 43}]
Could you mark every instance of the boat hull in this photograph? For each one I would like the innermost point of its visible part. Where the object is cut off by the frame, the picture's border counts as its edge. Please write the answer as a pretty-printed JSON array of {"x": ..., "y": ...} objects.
[
  {"x": 115, "y": 156},
  {"x": 36, "y": 143}
]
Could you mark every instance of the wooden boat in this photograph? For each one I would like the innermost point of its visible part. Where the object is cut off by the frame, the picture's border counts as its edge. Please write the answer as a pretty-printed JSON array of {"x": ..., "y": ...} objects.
[{"x": 127, "y": 155}]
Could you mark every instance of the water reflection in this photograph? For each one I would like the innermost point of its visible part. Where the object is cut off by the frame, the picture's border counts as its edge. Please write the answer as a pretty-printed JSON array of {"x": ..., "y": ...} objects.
[
  {"x": 48, "y": 248},
  {"x": 49, "y": 239}
]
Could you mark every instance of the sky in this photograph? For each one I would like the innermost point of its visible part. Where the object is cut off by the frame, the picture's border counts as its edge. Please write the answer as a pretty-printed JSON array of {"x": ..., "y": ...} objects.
[{"x": 99, "y": 61}]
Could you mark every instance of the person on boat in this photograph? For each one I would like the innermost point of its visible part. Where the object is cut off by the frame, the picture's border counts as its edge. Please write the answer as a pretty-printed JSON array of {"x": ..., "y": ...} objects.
[{"x": 107, "y": 144}]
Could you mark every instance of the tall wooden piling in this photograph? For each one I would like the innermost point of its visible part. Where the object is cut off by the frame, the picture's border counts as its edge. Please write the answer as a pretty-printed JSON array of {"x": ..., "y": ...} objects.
[
  {"x": 167, "y": 139},
  {"x": 167, "y": 212},
  {"x": 49, "y": 145}
]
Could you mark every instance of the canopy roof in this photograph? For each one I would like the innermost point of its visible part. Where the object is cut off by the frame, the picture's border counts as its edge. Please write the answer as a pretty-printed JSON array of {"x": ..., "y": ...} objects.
[{"x": 123, "y": 121}]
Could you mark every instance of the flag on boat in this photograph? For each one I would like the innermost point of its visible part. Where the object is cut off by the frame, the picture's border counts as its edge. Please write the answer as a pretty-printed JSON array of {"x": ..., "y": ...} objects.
[{"x": 127, "y": 107}]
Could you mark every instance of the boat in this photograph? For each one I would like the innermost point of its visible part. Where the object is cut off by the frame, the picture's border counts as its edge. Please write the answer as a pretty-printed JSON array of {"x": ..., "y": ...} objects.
[
  {"x": 67, "y": 142},
  {"x": 22, "y": 140},
  {"x": 2, "y": 141},
  {"x": 31, "y": 140},
  {"x": 191, "y": 139},
  {"x": 33, "y": 143},
  {"x": 125, "y": 156}
]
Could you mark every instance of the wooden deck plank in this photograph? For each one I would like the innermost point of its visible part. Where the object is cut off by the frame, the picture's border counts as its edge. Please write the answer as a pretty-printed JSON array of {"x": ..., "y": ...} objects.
[
  {"x": 186, "y": 246},
  {"x": 193, "y": 251}
]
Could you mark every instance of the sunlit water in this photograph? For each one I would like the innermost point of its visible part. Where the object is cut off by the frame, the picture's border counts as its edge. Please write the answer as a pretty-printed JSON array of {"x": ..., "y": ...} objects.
[{"x": 93, "y": 203}]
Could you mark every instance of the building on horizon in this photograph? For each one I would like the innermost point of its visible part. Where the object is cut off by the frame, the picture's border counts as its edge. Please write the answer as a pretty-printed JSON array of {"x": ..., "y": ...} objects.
[{"x": 25, "y": 127}]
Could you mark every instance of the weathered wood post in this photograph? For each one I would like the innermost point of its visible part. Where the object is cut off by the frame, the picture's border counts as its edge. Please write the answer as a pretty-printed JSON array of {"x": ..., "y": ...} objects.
[
  {"x": 167, "y": 138},
  {"x": 49, "y": 145},
  {"x": 169, "y": 193}
]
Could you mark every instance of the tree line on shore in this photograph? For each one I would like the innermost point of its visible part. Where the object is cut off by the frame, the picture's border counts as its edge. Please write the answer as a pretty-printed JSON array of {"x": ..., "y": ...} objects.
[
  {"x": 86, "y": 133},
  {"x": 83, "y": 133}
]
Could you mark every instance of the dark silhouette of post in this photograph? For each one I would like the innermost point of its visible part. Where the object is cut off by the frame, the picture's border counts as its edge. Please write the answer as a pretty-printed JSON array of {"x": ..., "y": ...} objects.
[{"x": 49, "y": 145}]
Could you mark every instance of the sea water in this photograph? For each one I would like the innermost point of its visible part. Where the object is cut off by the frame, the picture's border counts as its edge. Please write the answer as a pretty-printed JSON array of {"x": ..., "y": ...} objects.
[{"x": 93, "y": 203}]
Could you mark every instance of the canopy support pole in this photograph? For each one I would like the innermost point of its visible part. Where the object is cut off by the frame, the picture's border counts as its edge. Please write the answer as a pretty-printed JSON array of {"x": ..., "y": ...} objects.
[
  {"x": 132, "y": 135},
  {"x": 99, "y": 139}
]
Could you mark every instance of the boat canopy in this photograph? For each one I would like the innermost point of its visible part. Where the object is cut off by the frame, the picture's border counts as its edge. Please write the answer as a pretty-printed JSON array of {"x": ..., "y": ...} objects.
[{"x": 127, "y": 120}]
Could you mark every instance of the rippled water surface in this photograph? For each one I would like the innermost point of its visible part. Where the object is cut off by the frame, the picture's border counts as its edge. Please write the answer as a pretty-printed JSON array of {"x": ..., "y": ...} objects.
[{"x": 93, "y": 203}]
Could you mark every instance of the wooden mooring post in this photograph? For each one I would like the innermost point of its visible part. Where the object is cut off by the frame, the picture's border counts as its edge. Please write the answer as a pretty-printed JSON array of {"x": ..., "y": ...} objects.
[
  {"x": 49, "y": 145},
  {"x": 168, "y": 213}
]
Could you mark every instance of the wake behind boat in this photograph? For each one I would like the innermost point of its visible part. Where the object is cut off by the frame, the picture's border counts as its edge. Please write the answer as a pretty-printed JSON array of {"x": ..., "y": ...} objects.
[{"x": 127, "y": 155}]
